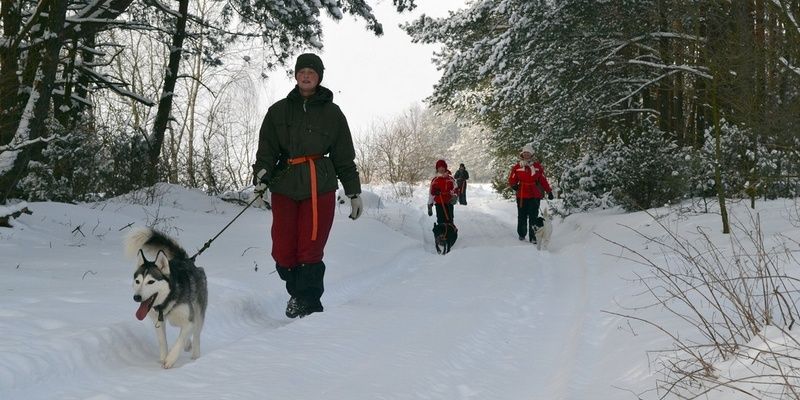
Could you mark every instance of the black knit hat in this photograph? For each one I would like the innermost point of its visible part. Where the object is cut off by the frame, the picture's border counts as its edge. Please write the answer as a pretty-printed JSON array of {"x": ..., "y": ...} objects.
[{"x": 308, "y": 60}]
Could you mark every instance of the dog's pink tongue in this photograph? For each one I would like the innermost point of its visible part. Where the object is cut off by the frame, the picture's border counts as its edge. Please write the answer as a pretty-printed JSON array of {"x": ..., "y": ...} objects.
[{"x": 144, "y": 307}]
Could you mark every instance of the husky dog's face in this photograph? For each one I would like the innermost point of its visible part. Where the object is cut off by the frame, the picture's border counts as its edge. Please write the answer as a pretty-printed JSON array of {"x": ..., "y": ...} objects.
[{"x": 150, "y": 283}]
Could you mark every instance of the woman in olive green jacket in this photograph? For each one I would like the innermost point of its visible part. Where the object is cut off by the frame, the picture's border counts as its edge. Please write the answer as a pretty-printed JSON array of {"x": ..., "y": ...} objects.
[{"x": 304, "y": 147}]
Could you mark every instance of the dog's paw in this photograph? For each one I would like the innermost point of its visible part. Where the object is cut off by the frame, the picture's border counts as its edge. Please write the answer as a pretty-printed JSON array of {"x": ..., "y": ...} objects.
[
  {"x": 188, "y": 346},
  {"x": 170, "y": 360}
]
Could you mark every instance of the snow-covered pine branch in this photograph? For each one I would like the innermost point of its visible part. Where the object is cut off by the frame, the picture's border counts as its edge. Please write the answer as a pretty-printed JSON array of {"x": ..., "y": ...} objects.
[
  {"x": 619, "y": 46},
  {"x": 617, "y": 112},
  {"x": 788, "y": 65},
  {"x": 116, "y": 87},
  {"x": 685, "y": 68},
  {"x": 30, "y": 142},
  {"x": 789, "y": 15}
]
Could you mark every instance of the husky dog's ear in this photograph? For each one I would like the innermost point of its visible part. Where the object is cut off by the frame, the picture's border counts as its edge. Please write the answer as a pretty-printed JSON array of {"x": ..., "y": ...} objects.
[
  {"x": 162, "y": 262},
  {"x": 140, "y": 259}
]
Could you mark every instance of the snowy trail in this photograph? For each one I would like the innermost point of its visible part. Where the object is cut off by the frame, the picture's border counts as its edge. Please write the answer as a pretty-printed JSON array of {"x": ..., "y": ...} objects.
[
  {"x": 238, "y": 310},
  {"x": 494, "y": 319}
]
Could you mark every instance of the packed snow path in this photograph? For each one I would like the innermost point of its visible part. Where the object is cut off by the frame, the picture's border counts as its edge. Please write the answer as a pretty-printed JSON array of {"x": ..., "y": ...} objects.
[{"x": 494, "y": 319}]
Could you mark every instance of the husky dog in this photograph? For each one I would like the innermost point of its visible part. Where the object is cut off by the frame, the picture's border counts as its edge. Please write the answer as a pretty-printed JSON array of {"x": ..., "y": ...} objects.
[
  {"x": 543, "y": 230},
  {"x": 444, "y": 236},
  {"x": 170, "y": 287}
]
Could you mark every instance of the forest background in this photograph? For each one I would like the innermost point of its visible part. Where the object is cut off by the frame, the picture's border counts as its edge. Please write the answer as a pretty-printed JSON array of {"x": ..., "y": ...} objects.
[{"x": 635, "y": 103}]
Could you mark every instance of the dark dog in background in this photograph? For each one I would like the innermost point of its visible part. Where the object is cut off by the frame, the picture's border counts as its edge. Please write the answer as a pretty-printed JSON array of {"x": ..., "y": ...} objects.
[{"x": 444, "y": 236}]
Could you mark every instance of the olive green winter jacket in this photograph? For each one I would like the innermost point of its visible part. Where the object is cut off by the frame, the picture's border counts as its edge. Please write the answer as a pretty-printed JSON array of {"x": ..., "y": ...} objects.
[{"x": 296, "y": 127}]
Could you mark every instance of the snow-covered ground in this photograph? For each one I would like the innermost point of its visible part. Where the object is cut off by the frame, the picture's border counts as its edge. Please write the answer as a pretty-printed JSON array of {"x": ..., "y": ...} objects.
[{"x": 494, "y": 319}]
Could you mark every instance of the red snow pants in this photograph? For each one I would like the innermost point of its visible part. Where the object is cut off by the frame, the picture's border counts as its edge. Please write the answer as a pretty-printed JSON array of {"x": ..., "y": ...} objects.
[{"x": 292, "y": 223}]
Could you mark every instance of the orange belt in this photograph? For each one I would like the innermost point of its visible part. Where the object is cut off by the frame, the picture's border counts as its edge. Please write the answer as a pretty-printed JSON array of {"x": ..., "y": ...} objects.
[{"x": 313, "y": 171}]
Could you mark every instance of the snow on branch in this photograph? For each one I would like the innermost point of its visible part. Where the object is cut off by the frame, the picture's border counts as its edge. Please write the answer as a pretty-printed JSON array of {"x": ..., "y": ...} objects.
[
  {"x": 99, "y": 21},
  {"x": 117, "y": 87},
  {"x": 614, "y": 113},
  {"x": 671, "y": 70},
  {"x": 95, "y": 16},
  {"x": 636, "y": 41},
  {"x": 644, "y": 86},
  {"x": 19, "y": 146},
  {"x": 674, "y": 35},
  {"x": 791, "y": 67},
  {"x": 685, "y": 68},
  {"x": 788, "y": 13},
  {"x": 28, "y": 25}
]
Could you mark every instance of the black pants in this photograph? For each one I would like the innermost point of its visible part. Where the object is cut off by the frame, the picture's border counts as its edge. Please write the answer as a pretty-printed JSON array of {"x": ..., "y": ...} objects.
[
  {"x": 444, "y": 213},
  {"x": 462, "y": 193},
  {"x": 527, "y": 211}
]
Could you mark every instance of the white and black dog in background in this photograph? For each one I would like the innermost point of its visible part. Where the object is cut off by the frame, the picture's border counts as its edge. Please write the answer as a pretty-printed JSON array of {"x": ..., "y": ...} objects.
[
  {"x": 543, "y": 230},
  {"x": 168, "y": 286}
]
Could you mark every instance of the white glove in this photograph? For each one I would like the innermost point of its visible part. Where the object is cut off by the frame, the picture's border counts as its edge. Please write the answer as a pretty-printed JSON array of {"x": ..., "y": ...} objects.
[
  {"x": 259, "y": 201},
  {"x": 355, "y": 207},
  {"x": 260, "y": 186}
]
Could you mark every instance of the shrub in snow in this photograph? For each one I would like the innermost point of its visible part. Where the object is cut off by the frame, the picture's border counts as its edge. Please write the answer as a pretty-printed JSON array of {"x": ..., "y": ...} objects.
[
  {"x": 85, "y": 165},
  {"x": 648, "y": 171},
  {"x": 586, "y": 185},
  {"x": 751, "y": 165},
  {"x": 642, "y": 172}
]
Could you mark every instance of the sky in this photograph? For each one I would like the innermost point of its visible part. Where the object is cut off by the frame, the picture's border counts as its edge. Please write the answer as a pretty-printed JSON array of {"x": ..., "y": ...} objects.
[
  {"x": 494, "y": 319},
  {"x": 374, "y": 78}
]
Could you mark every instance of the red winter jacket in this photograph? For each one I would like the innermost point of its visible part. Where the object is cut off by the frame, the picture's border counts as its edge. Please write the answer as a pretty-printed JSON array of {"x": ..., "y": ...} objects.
[
  {"x": 527, "y": 178},
  {"x": 443, "y": 188}
]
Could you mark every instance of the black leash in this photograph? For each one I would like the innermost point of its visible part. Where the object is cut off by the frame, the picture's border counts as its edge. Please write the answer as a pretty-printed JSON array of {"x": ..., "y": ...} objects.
[
  {"x": 208, "y": 243},
  {"x": 259, "y": 194}
]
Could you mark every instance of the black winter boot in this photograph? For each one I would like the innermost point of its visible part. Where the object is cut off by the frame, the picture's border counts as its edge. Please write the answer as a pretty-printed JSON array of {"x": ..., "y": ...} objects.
[
  {"x": 293, "y": 308},
  {"x": 289, "y": 275},
  {"x": 308, "y": 290}
]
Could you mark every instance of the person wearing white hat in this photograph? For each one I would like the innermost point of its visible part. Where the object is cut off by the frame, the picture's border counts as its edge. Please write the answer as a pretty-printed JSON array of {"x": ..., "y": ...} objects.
[{"x": 530, "y": 185}]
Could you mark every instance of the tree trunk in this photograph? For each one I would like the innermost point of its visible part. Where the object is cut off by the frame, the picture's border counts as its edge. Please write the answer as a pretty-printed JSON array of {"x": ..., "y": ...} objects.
[
  {"x": 62, "y": 104},
  {"x": 9, "y": 65},
  {"x": 665, "y": 85},
  {"x": 194, "y": 93},
  {"x": 48, "y": 68},
  {"x": 723, "y": 210},
  {"x": 163, "y": 114},
  {"x": 32, "y": 122}
]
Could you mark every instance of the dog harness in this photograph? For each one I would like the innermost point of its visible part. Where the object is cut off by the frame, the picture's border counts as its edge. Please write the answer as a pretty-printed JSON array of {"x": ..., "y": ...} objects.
[{"x": 313, "y": 172}]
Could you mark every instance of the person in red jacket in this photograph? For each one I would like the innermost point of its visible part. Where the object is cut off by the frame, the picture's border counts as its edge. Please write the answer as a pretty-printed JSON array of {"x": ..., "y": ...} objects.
[
  {"x": 442, "y": 194},
  {"x": 528, "y": 181}
]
